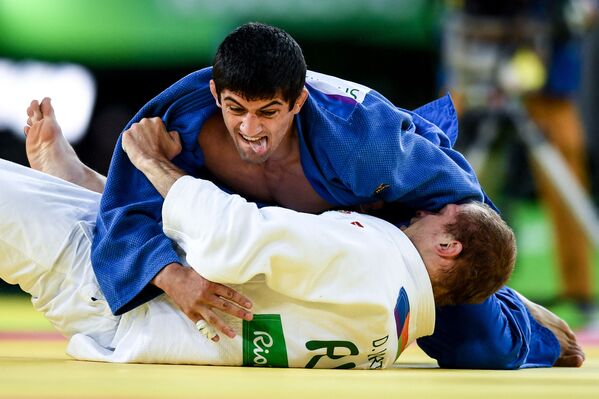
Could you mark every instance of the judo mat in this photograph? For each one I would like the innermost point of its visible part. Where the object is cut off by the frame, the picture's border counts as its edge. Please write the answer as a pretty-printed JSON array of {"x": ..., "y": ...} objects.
[{"x": 33, "y": 365}]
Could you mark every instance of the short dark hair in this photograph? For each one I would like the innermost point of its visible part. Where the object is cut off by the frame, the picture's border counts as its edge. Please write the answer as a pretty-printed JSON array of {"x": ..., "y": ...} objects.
[
  {"x": 259, "y": 61},
  {"x": 487, "y": 258}
]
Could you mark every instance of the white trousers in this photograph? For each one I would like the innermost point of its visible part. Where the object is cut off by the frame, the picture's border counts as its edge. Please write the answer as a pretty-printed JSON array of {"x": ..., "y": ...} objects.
[
  {"x": 46, "y": 227},
  {"x": 46, "y": 230}
]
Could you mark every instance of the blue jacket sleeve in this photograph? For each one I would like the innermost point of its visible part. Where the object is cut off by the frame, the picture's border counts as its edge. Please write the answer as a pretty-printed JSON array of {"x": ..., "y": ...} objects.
[{"x": 129, "y": 247}]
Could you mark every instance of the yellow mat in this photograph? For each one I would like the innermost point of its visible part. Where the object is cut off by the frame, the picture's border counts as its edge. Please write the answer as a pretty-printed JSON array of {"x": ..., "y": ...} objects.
[{"x": 38, "y": 368}]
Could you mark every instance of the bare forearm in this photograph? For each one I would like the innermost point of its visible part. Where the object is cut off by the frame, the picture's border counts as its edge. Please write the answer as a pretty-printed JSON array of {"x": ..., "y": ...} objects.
[{"x": 162, "y": 174}]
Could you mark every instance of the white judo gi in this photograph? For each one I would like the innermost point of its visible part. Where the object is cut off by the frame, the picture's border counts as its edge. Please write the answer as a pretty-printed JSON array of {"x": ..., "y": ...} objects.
[{"x": 337, "y": 290}]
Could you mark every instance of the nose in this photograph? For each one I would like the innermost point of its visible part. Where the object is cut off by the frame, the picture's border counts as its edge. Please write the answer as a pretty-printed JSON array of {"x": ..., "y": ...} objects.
[{"x": 250, "y": 125}]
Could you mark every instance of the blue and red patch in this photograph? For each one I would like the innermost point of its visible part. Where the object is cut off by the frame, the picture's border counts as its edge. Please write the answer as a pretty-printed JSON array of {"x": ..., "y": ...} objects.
[{"x": 402, "y": 319}]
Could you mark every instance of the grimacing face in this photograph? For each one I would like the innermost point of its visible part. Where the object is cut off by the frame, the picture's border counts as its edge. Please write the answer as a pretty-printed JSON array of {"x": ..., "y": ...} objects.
[{"x": 257, "y": 127}]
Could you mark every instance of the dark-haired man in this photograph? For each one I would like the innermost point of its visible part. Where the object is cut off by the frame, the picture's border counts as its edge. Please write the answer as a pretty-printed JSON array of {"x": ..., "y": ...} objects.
[{"x": 252, "y": 127}]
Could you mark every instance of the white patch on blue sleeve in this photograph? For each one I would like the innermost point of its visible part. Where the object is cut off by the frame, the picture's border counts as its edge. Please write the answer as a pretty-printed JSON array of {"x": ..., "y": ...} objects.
[{"x": 335, "y": 86}]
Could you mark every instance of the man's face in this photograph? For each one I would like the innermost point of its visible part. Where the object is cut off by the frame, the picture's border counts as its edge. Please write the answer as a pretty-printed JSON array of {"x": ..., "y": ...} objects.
[{"x": 257, "y": 127}]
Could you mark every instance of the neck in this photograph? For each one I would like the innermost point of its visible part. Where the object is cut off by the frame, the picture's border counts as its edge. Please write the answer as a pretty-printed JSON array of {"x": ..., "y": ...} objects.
[
  {"x": 287, "y": 151},
  {"x": 440, "y": 295},
  {"x": 440, "y": 292}
]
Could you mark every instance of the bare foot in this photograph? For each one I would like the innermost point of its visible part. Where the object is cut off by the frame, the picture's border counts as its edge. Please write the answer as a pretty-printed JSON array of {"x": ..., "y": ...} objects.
[
  {"x": 48, "y": 150},
  {"x": 571, "y": 354}
]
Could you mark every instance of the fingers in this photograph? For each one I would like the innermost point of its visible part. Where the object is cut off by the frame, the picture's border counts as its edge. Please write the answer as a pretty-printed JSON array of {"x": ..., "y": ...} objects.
[
  {"x": 175, "y": 136},
  {"x": 155, "y": 121},
  {"x": 201, "y": 299},
  {"x": 154, "y": 125},
  {"x": 232, "y": 295},
  {"x": 150, "y": 136},
  {"x": 228, "y": 307},
  {"x": 227, "y": 300},
  {"x": 230, "y": 301},
  {"x": 207, "y": 331},
  {"x": 231, "y": 308},
  {"x": 217, "y": 323},
  {"x": 177, "y": 147}
]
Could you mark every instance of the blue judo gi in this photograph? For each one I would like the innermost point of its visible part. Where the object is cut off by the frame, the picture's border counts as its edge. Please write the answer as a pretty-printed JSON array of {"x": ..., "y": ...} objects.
[{"x": 356, "y": 147}]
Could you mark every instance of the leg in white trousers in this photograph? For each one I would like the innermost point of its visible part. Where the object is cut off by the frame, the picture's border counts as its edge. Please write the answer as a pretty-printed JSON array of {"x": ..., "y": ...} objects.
[
  {"x": 46, "y": 230},
  {"x": 46, "y": 227}
]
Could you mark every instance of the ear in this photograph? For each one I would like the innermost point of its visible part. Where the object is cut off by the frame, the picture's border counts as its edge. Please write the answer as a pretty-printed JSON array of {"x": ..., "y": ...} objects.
[
  {"x": 447, "y": 247},
  {"x": 214, "y": 93},
  {"x": 299, "y": 103}
]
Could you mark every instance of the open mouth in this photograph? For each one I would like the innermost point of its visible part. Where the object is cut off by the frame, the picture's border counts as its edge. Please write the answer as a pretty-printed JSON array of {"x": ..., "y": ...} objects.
[{"x": 257, "y": 144}]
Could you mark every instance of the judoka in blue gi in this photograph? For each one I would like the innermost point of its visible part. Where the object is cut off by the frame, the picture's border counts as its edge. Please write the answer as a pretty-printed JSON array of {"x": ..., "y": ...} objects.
[{"x": 257, "y": 123}]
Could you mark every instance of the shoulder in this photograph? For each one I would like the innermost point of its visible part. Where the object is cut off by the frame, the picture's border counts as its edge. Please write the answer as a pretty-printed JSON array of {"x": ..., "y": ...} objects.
[
  {"x": 340, "y": 112},
  {"x": 344, "y": 100},
  {"x": 336, "y": 96}
]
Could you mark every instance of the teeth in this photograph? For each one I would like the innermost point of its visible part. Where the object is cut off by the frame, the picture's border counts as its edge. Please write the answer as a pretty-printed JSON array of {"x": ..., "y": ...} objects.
[{"x": 251, "y": 138}]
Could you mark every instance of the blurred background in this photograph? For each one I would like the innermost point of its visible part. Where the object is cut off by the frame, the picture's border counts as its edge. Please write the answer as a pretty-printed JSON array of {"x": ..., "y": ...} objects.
[{"x": 523, "y": 75}]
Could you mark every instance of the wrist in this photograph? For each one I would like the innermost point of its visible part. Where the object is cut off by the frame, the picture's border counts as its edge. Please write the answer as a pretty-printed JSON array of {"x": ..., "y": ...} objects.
[
  {"x": 162, "y": 173},
  {"x": 166, "y": 276},
  {"x": 150, "y": 166}
]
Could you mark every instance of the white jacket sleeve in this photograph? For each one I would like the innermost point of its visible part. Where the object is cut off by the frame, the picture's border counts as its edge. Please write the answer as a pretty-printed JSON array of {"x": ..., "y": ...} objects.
[
  {"x": 217, "y": 231},
  {"x": 229, "y": 240}
]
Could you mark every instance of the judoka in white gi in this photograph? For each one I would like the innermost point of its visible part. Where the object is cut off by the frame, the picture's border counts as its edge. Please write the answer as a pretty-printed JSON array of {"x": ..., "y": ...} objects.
[{"x": 337, "y": 290}]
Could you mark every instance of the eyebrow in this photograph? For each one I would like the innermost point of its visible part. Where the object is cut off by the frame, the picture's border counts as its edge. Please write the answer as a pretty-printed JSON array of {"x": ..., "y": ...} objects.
[{"x": 273, "y": 102}]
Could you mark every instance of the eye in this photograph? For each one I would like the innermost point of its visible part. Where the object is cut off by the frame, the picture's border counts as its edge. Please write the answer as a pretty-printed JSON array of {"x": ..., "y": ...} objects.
[
  {"x": 268, "y": 113},
  {"x": 236, "y": 110}
]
